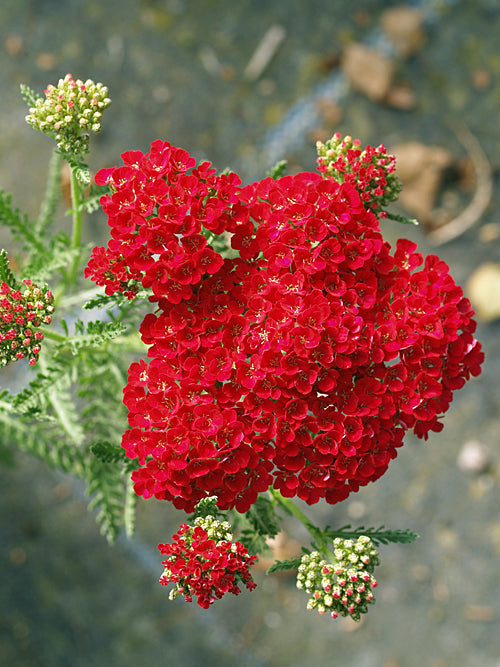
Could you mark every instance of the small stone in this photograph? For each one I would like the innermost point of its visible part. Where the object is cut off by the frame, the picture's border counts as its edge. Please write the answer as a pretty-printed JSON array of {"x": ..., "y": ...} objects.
[
  {"x": 481, "y": 79},
  {"x": 46, "y": 61},
  {"x": 227, "y": 73},
  {"x": 401, "y": 97},
  {"x": 421, "y": 169},
  {"x": 481, "y": 613},
  {"x": 489, "y": 232},
  {"x": 473, "y": 457},
  {"x": 330, "y": 111},
  {"x": 368, "y": 71},
  {"x": 483, "y": 289},
  {"x": 318, "y": 133},
  {"x": 162, "y": 94},
  {"x": 404, "y": 28},
  {"x": 13, "y": 45}
]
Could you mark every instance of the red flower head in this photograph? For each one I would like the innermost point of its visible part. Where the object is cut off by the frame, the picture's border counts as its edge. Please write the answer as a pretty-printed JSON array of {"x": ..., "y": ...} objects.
[
  {"x": 203, "y": 561},
  {"x": 300, "y": 363},
  {"x": 22, "y": 312}
]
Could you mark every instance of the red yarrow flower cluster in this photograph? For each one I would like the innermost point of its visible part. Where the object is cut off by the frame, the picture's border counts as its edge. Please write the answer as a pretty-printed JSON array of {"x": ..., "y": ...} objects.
[
  {"x": 370, "y": 170},
  {"x": 203, "y": 561},
  {"x": 21, "y": 313},
  {"x": 298, "y": 364}
]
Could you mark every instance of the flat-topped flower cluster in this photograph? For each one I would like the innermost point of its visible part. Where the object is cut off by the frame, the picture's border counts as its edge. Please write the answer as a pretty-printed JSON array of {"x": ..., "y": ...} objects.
[
  {"x": 203, "y": 561},
  {"x": 69, "y": 111},
  {"x": 22, "y": 312},
  {"x": 344, "y": 584},
  {"x": 300, "y": 362}
]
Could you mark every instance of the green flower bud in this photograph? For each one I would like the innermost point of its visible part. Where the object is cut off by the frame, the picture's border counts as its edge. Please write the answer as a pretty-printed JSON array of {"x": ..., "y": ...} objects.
[
  {"x": 67, "y": 110},
  {"x": 345, "y": 585}
]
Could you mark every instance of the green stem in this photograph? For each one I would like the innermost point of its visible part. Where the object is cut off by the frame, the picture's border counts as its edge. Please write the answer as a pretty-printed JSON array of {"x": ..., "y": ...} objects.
[
  {"x": 52, "y": 194},
  {"x": 292, "y": 508},
  {"x": 401, "y": 218},
  {"x": 76, "y": 239},
  {"x": 52, "y": 335}
]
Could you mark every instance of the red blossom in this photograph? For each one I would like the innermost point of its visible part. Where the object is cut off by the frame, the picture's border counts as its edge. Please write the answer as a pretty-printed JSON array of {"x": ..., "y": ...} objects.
[
  {"x": 203, "y": 561},
  {"x": 298, "y": 364}
]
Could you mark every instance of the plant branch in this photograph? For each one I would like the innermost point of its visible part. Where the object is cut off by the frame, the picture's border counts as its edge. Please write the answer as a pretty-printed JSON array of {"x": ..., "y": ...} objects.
[{"x": 290, "y": 507}]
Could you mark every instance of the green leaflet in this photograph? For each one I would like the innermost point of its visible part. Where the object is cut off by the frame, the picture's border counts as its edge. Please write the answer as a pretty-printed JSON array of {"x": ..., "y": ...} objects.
[
  {"x": 108, "y": 489},
  {"x": 277, "y": 170},
  {"x": 381, "y": 535},
  {"x": 91, "y": 335},
  {"x": 18, "y": 223},
  {"x": 6, "y": 274}
]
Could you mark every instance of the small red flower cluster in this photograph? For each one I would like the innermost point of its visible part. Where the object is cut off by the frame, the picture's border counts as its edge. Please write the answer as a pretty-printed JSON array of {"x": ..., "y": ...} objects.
[
  {"x": 371, "y": 170},
  {"x": 20, "y": 315},
  {"x": 203, "y": 561},
  {"x": 298, "y": 364}
]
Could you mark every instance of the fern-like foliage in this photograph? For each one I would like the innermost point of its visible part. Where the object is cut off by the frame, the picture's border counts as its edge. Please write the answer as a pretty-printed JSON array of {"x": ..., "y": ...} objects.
[
  {"x": 35, "y": 394},
  {"x": 381, "y": 535},
  {"x": 6, "y": 275},
  {"x": 29, "y": 95},
  {"x": 79, "y": 167},
  {"x": 107, "y": 452},
  {"x": 91, "y": 335},
  {"x": 71, "y": 413},
  {"x": 258, "y": 524},
  {"x": 43, "y": 266},
  {"x": 277, "y": 170},
  {"x": 18, "y": 223},
  {"x": 286, "y": 565},
  {"x": 108, "y": 490},
  {"x": 91, "y": 202},
  {"x": 116, "y": 300},
  {"x": 46, "y": 442}
]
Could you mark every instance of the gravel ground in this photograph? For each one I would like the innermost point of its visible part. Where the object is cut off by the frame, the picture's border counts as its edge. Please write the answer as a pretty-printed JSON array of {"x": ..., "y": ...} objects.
[{"x": 176, "y": 71}]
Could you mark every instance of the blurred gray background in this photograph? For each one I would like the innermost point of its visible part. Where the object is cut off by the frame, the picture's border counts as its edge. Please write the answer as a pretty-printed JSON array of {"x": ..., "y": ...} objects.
[{"x": 185, "y": 71}]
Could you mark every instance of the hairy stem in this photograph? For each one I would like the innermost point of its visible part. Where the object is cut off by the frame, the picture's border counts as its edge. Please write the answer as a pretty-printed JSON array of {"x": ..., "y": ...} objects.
[
  {"x": 52, "y": 335},
  {"x": 52, "y": 193},
  {"x": 292, "y": 508},
  {"x": 76, "y": 239}
]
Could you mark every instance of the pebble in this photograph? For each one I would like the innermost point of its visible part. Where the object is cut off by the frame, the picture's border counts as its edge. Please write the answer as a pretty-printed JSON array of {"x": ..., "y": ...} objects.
[
  {"x": 421, "y": 169},
  {"x": 404, "y": 28},
  {"x": 368, "y": 71},
  {"x": 483, "y": 289},
  {"x": 473, "y": 457}
]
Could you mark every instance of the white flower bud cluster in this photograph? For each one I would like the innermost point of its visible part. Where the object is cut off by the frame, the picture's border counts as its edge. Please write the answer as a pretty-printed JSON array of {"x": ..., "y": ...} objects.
[
  {"x": 69, "y": 111},
  {"x": 344, "y": 586},
  {"x": 219, "y": 531}
]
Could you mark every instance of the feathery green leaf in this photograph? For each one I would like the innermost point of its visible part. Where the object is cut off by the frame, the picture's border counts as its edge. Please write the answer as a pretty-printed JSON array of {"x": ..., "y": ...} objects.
[
  {"x": 29, "y": 95},
  {"x": 6, "y": 274},
  {"x": 20, "y": 226},
  {"x": 381, "y": 535}
]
